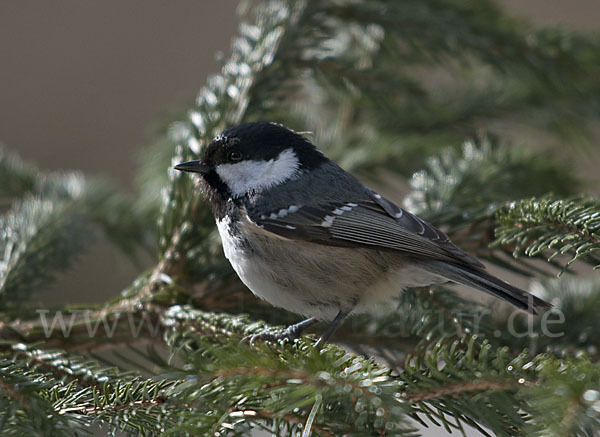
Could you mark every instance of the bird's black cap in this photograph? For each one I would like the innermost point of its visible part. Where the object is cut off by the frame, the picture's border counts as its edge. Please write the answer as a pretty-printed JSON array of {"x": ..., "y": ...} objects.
[{"x": 259, "y": 140}]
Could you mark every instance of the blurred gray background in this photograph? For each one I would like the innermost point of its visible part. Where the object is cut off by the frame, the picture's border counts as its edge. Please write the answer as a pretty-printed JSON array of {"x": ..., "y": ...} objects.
[{"x": 84, "y": 85}]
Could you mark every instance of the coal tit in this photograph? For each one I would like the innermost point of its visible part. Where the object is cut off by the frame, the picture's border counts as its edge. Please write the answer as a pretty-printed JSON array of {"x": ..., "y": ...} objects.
[{"x": 307, "y": 236}]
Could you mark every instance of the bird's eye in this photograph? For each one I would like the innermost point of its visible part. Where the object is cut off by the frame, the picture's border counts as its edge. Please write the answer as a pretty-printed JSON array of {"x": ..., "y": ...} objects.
[{"x": 234, "y": 156}]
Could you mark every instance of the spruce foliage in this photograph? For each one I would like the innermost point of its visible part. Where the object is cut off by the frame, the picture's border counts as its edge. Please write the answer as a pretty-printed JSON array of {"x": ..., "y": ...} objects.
[{"x": 425, "y": 91}]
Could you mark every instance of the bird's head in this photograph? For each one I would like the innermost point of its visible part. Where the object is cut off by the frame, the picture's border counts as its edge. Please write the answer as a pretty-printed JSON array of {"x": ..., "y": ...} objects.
[{"x": 252, "y": 158}]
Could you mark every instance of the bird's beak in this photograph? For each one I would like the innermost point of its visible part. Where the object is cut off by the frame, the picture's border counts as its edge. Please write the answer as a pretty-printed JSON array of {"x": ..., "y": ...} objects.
[{"x": 192, "y": 166}]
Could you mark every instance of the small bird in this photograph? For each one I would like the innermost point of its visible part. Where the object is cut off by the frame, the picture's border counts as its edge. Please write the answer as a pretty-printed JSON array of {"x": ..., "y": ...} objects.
[{"x": 307, "y": 236}]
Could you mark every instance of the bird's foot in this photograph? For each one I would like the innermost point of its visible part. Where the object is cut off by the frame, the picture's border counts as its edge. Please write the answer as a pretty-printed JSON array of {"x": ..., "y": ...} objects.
[{"x": 291, "y": 333}]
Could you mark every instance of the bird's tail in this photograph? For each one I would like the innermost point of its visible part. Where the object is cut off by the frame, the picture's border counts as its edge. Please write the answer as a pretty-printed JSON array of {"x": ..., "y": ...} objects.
[{"x": 490, "y": 284}]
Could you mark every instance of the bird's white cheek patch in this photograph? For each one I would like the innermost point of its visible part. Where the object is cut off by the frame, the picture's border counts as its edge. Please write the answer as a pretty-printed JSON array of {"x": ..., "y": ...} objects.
[{"x": 256, "y": 176}]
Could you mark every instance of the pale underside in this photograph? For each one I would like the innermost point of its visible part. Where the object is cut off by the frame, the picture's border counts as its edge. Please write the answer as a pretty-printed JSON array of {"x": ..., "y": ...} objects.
[{"x": 317, "y": 280}]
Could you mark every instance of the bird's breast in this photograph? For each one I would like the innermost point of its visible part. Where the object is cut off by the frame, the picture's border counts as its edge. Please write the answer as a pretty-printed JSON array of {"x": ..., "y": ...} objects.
[{"x": 313, "y": 279}]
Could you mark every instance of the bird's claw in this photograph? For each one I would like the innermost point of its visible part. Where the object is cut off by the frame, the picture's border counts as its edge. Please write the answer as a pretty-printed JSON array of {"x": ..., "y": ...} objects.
[
  {"x": 291, "y": 333},
  {"x": 280, "y": 335}
]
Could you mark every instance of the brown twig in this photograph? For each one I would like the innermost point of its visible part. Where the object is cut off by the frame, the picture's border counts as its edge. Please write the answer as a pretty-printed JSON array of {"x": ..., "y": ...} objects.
[
  {"x": 458, "y": 389},
  {"x": 13, "y": 394}
]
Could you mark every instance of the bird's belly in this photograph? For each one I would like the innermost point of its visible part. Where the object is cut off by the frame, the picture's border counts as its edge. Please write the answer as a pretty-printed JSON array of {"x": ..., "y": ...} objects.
[
  {"x": 286, "y": 277},
  {"x": 317, "y": 280}
]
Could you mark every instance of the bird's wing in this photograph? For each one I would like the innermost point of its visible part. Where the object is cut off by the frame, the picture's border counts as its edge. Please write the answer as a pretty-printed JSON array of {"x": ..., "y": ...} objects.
[{"x": 372, "y": 222}]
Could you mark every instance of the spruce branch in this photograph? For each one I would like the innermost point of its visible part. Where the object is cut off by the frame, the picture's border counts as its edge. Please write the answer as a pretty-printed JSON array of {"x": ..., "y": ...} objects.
[
  {"x": 458, "y": 189},
  {"x": 24, "y": 410},
  {"x": 274, "y": 383},
  {"x": 84, "y": 330},
  {"x": 419, "y": 316},
  {"x": 76, "y": 392},
  {"x": 37, "y": 238},
  {"x": 450, "y": 383},
  {"x": 55, "y": 217},
  {"x": 552, "y": 226},
  {"x": 16, "y": 176},
  {"x": 567, "y": 399},
  {"x": 462, "y": 192},
  {"x": 107, "y": 208},
  {"x": 58, "y": 217},
  {"x": 465, "y": 382}
]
